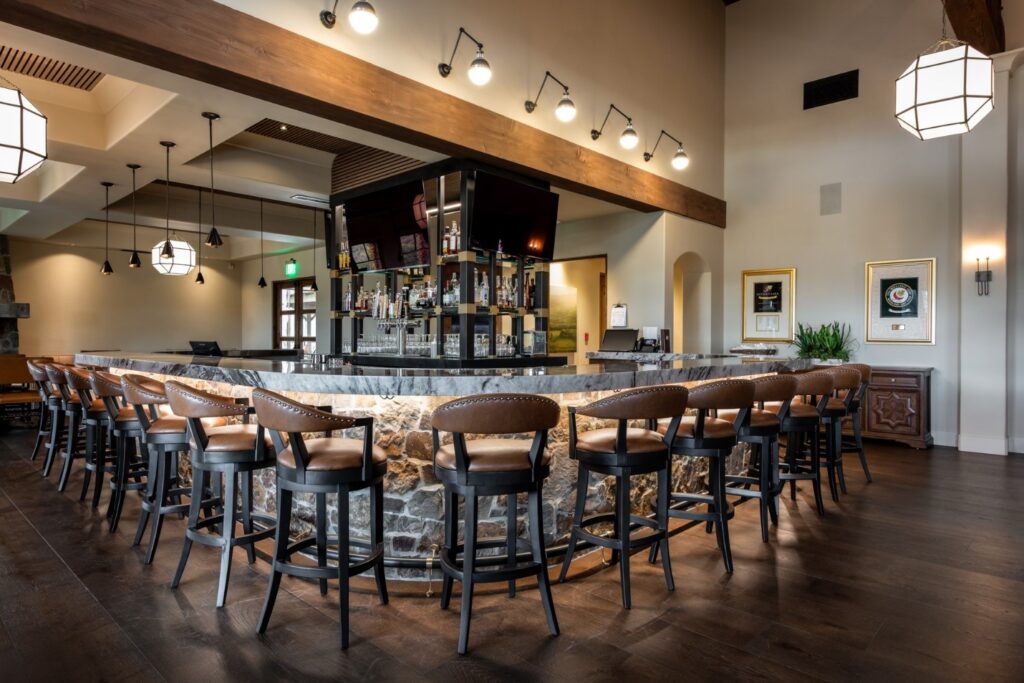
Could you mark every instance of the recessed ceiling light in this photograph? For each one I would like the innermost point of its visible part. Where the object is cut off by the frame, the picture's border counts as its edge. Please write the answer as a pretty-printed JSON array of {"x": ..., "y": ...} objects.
[
  {"x": 308, "y": 198},
  {"x": 284, "y": 127}
]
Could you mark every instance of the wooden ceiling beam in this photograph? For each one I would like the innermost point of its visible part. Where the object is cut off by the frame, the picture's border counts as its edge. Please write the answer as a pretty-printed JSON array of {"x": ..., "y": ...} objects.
[
  {"x": 979, "y": 23},
  {"x": 210, "y": 42}
]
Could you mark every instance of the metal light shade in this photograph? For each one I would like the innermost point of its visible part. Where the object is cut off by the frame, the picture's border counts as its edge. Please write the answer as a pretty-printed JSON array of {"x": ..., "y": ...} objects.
[
  {"x": 629, "y": 139},
  {"x": 200, "y": 280},
  {"x": 213, "y": 240},
  {"x": 135, "y": 261},
  {"x": 107, "y": 269},
  {"x": 313, "y": 287},
  {"x": 680, "y": 160},
  {"x": 22, "y": 135},
  {"x": 262, "y": 283},
  {"x": 362, "y": 18},
  {"x": 945, "y": 91},
  {"x": 566, "y": 109},
  {"x": 479, "y": 69},
  {"x": 181, "y": 263}
]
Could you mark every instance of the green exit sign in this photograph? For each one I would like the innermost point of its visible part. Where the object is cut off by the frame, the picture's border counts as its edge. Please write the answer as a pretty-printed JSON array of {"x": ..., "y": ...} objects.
[{"x": 291, "y": 268}]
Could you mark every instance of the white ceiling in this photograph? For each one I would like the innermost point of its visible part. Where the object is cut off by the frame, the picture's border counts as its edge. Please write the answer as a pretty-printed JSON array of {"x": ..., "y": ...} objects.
[{"x": 94, "y": 134}]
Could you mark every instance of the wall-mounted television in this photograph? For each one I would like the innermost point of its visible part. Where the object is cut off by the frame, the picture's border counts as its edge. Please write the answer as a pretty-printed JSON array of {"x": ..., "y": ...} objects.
[
  {"x": 388, "y": 228},
  {"x": 518, "y": 218}
]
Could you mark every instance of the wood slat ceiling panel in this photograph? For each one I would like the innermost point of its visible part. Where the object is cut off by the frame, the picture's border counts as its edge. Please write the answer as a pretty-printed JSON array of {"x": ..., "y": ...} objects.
[{"x": 48, "y": 69}]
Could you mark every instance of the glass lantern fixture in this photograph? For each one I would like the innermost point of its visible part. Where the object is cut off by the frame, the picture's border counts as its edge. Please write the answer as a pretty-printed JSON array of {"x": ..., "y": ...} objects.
[
  {"x": 22, "y": 134},
  {"x": 947, "y": 90},
  {"x": 181, "y": 262}
]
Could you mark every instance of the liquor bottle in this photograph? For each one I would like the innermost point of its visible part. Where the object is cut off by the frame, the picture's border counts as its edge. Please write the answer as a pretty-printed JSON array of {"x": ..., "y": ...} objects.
[
  {"x": 455, "y": 289},
  {"x": 485, "y": 290},
  {"x": 456, "y": 237},
  {"x": 531, "y": 293}
]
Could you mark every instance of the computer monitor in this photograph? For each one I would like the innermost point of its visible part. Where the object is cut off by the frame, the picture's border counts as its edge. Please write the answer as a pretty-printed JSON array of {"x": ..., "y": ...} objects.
[
  {"x": 619, "y": 339},
  {"x": 205, "y": 348}
]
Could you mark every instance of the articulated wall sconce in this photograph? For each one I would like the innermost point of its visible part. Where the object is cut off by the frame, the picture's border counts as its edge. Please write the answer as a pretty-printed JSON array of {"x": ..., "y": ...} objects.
[{"x": 983, "y": 277}]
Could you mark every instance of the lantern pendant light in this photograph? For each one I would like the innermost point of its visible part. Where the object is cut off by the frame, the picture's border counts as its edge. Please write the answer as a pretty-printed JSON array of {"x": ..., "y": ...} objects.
[
  {"x": 314, "y": 287},
  {"x": 213, "y": 240},
  {"x": 134, "y": 261},
  {"x": 22, "y": 134},
  {"x": 200, "y": 280},
  {"x": 263, "y": 282},
  {"x": 172, "y": 257},
  {"x": 106, "y": 269},
  {"x": 947, "y": 90}
]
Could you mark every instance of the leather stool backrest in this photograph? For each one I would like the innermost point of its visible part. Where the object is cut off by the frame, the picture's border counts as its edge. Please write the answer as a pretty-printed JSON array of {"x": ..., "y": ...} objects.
[
  {"x": 194, "y": 404},
  {"x": 845, "y": 378},
  {"x": 781, "y": 388},
  {"x": 282, "y": 415},
  {"x": 78, "y": 379},
  {"x": 55, "y": 373},
  {"x": 37, "y": 371},
  {"x": 142, "y": 392},
  {"x": 726, "y": 394},
  {"x": 863, "y": 369},
  {"x": 496, "y": 414},
  {"x": 649, "y": 403},
  {"x": 819, "y": 384},
  {"x": 107, "y": 387}
]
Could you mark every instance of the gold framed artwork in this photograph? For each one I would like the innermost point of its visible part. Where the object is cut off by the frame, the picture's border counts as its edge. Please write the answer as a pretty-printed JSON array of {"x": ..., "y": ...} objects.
[
  {"x": 769, "y": 305},
  {"x": 899, "y": 301}
]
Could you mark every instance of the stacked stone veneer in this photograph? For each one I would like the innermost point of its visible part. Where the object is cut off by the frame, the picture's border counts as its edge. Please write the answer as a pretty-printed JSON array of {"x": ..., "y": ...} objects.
[
  {"x": 8, "y": 326},
  {"x": 413, "y": 497}
]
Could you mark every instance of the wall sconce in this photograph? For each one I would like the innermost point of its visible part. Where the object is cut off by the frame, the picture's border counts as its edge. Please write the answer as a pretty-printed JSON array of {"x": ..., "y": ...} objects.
[
  {"x": 679, "y": 159},
  {"x": 566, "y": 109},
  {"x": 362, "y": 17},
  {"x": 479, "y": 69},
  {"x": 982, "y": 277},
  {"x": 629, "y": 139}
]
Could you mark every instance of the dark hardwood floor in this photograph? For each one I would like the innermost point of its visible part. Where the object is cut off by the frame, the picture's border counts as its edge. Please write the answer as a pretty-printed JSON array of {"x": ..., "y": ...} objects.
[{"x": 918, "y": 576}]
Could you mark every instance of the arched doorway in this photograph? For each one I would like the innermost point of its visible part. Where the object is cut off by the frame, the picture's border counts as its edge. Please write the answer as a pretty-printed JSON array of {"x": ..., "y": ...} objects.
[{"x": 691, "y": 304}]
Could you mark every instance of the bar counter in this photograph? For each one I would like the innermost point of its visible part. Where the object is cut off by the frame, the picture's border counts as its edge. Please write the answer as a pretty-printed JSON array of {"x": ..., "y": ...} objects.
[{"x": 401, "y": 402}]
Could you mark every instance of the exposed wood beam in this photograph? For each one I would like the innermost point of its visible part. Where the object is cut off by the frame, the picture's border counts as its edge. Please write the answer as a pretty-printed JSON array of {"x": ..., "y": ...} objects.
[
  {"x": 978, "y": 22},
  {"x": 204, "y": 40}
]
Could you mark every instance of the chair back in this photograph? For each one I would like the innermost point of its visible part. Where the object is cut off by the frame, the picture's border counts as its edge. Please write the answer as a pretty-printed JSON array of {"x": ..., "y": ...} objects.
[
  {"x": 772, "y": 388},
  {"x": 818, "y": 385},
  {"x": 42, "y": 380},
  {"x": 648, "y": 403},
  {"x": 287, "y": 420},
  {"x": 144, "y": 394},
  {"x": 78, "y": 379},
  {"x": 726, "y": 394},
  {"x": 194, "y": 404},
  {"x": 106, "y": 386}
]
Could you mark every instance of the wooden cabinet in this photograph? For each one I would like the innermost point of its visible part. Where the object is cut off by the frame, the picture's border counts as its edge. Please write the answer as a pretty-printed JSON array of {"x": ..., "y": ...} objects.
[{"x": 897, "y": 405}]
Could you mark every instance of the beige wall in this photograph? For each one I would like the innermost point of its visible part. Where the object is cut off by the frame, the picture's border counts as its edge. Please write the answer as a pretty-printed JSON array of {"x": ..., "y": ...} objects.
[
  {"x": 660, "y": 61},
  {"x": 585, "y": 276},
  {"x": 1015, "y": 259},
  {"x": 74, "y": 307},
  {"x": 256, "y": 310},
  {"x": 686, "y": 242}
]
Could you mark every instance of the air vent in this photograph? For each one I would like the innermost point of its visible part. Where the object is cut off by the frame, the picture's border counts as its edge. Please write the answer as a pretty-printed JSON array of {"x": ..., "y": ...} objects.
[
  {"x": 831, "y": 89},
  {"x": 47, "y": 69},
  {"x": 831, "y": 199}
]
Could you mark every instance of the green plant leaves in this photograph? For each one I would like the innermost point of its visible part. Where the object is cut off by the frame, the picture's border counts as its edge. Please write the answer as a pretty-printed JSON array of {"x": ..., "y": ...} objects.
[{"x": 830, "y": 341}]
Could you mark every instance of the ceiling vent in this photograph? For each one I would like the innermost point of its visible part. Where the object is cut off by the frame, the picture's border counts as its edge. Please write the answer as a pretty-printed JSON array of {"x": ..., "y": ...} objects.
[{"x": 831, "y": 89}]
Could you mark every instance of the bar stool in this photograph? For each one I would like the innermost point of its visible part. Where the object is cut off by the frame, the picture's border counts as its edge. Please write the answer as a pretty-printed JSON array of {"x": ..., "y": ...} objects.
[
  {"x": 233, "y": 452},
  {"x": 763, "y": 434},
  {"x": 48, "y": 407},
  {"x": 803, "y": 424},
  {"x": 321, "y": 466},
  {"x": 623, "y": 452},
  {"x": 125, "y": 433},
  {"x": 704, "y": 436},
  {"x": 847, "y": 381},
  {"x": 96, "y": 424},
  {"x": 493, "y": 467},
  {"x": 70, "y": 414},
  {"x": 856, "y": 445},
  {"x": 165, "y": 437}
]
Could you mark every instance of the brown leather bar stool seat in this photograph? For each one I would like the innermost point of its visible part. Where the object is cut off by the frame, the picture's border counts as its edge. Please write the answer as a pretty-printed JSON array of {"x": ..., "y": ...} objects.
[
  {"x": 232, "y": 453},
  {"x": 49, "y": 403},
  {"x": 763, "y": 435},
  {"x": 623, "y": 452},
  {"x": 337, "y": 472},
  {"x": 803, "y": 423},
  {"x": 64, "y": 434},
  {"x": 125, "y": 434},
  {"x": 705, "y": 436},
  {"x": 493, "y": 466}
]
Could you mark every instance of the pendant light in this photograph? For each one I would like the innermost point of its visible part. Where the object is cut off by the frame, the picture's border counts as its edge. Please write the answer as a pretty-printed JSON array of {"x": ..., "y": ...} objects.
[
  {"x": 134, "y": 261},
  {"x": 22, "y": 134},
  {"x": 171, "y": 257},
  {"x": 263, "y": 282},
  {"x": 106, "y": 269},
  {"x": 213, "y": 240},
  {"x": 200, "y": 280},
  {"x": 314, "y": 287},
  {"x": 947, "y": 90}
]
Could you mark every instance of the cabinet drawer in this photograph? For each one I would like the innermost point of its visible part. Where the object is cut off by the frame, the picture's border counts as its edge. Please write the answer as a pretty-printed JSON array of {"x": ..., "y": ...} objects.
[
  {"x": 882, "y": 380},
  {"x": 896, "y": 411}
]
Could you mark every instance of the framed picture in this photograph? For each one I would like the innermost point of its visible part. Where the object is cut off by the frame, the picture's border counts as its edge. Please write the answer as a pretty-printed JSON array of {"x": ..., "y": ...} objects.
[
  {"x": 769, "y": 305},
  {"x": 899, "y": 301},
  {"x": 562, "y": 324}
]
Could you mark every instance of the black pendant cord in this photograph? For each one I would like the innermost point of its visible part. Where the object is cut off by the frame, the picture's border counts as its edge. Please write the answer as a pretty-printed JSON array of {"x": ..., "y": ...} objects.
[
  {"x": 262, "y": 282},
  {"x": 106, "y": 269},
  {"x": 199, "y": 251},
  {"x": 167, "y": 196},
  {"x": 314, "y": 287},
  {"x": 135, "y": 225},
  {"x": 213, "y": 205}
]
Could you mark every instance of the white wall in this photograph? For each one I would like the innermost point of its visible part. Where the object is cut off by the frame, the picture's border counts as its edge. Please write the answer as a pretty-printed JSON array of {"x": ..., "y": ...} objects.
[
  {"x": 1015, "y": 260},
  {"x": 900, "y": 196},
  {"x": 256, "y": 310},
  {"x": 660, "y": 61},
  {"x": 687, "y": 236},
  {"x": 73, "y": 307}
]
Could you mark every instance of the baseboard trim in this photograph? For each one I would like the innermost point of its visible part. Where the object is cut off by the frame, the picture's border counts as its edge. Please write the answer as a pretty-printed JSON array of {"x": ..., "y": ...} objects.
[
  {"x": 991, "y": 445},
  {"x": 1017, "y": 444}
]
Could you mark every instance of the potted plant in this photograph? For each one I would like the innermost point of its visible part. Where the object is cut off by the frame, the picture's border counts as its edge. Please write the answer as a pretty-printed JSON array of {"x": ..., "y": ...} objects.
[{"x": 830, "y": 342}]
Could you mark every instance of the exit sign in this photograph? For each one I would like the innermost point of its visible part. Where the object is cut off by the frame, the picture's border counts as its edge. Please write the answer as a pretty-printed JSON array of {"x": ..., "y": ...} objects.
[{"x": 291, "y": 268}]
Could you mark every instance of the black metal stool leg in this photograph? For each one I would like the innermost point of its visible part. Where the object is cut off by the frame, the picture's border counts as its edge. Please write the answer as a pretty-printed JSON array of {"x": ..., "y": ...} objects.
[
  {"x": 764, "y": 454},
  {"x": 90, "y": 459},
  {"x": 622, "y": 510},
  {"x": 377, "y": 537},
  {"x": 245, "y": 483},
  {"x": 284, "y": 518},
  {"x": 856, "y": 438},
  {"x": 816, "y": 481},
  {"x": 321, "y": 536},
  {"x": 230, "y": 507},
  {"x": 56, "y": 430},
  {"x": 582, "y": 484},
  {"x": 101, "y": 464},
  {"x": 721, "y": 510},
  {"x": 536, "y": 523},
  {"x": 343, "y": 562},
  {"x": 663, "y": 497},
  {"x": 195, "y": 504},
  {"x": 468, "y": 567},
  {"x": 793, "y": 445},
  {"x": 152, "y": 481},
  {"x": 70, "y": 451},
  {"x": 511, "y": 528},
  {"x": 830, "y": 461},
  {"x": 451, "y": 539},
  {"x": 43, "y": 429},
  {"x": 160, "y": 497},
  {"x": 837, "y": 450}
]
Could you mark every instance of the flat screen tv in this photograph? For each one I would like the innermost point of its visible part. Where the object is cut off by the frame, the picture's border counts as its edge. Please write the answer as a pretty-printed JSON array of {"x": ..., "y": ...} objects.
[
  {"x": 515, "y": 217},
  {"x": 387, "y": 229}
]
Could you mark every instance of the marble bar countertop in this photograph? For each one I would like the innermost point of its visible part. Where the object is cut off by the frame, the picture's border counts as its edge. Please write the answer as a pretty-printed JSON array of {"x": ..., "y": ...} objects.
[
  {"x": 659, "y": 357},
  {"x": 288, "y": 375}
]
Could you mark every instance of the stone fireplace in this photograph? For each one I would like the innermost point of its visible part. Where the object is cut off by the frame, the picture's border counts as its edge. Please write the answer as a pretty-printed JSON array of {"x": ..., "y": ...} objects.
[{"x": 9, "y": 310}]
